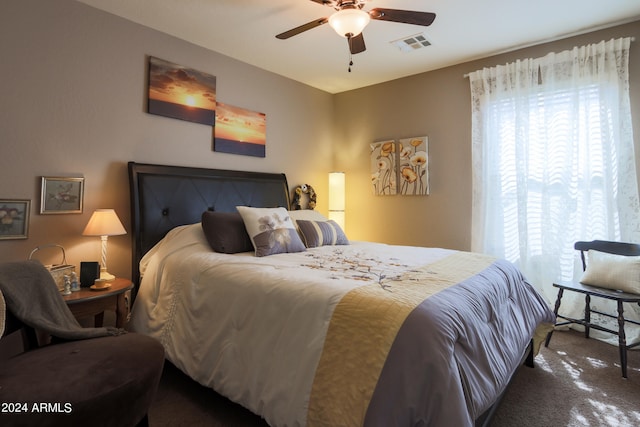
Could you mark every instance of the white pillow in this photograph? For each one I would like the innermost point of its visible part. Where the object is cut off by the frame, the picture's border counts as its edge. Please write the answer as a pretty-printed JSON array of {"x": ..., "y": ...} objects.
[
  {"x": 611, "y": 271},
  {"x": 307, "y": 215},
  {"x": 271, "y": 230}
]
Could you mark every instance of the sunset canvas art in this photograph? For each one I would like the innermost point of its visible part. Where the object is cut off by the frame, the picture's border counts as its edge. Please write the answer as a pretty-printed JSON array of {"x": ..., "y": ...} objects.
[
  {"x": 239, "y": 131},
  {"x": 181, "y": 93}
]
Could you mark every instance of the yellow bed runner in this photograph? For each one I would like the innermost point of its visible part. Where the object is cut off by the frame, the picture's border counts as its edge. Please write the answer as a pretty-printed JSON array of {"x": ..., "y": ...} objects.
[{"x": 351, "y": 364}]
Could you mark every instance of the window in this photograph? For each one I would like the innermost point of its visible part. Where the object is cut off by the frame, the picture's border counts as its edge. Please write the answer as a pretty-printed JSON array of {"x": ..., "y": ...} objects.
[
  {"x": 562, "y": 168},
  {"x": 553, "y": 159}
]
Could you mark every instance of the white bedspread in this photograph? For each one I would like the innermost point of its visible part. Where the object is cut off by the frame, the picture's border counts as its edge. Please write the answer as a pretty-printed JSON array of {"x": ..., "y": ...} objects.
[{"x": 253, "y": 328}]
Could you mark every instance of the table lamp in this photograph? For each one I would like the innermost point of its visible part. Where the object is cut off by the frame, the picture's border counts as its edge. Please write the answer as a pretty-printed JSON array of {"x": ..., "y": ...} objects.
[{"x": 104, "y": 223}]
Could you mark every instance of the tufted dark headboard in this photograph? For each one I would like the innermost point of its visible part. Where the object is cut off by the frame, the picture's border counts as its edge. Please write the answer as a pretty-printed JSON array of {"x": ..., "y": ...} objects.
[{"x": 164, "y": 197}]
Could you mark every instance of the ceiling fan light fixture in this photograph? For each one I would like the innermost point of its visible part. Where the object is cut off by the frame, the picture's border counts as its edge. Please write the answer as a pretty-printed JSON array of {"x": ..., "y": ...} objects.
[{"x": 349, "y": 22}]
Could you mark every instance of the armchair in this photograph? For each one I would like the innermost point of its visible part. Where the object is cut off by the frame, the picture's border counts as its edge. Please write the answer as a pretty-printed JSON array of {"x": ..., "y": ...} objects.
[{"x": 94, "y": 378}]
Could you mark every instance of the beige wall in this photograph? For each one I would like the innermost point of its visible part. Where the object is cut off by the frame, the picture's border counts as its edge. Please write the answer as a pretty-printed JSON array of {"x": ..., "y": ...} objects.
[
  {"x": 436, "y": 104},
  {"x": 72, "y": 85},
  {"x": 72, "y": 98}
]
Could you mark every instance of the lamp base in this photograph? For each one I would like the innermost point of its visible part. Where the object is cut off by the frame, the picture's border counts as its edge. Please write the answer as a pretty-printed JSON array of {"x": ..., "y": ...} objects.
[{"x": 104, "y": 275}]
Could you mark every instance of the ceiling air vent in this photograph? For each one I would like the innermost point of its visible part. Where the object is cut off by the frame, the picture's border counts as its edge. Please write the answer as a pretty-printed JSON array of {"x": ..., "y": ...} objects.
[{"x": 411, "y": 43}]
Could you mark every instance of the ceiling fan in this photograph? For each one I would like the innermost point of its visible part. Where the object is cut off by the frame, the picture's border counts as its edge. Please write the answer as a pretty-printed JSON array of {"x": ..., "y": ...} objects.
[{"x": 350, "y": 20}]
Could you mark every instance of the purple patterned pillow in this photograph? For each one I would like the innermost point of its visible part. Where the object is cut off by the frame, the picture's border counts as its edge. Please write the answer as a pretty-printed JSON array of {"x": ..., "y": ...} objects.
[
  {"x": 271, "y": 230},
  {"x": 322, "y": 233}
]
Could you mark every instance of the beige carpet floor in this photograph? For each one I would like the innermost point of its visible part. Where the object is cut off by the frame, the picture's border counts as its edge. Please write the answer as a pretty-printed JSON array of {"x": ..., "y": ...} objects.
[{"x": 576, "y": 382}]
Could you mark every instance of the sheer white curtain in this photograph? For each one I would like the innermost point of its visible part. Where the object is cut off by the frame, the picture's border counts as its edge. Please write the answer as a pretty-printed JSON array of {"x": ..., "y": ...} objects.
[{"x": 553, "y": 163}]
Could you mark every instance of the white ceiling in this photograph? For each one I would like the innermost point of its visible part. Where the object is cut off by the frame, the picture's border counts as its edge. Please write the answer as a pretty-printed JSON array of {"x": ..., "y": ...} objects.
[{"x": 463, "y": 30}]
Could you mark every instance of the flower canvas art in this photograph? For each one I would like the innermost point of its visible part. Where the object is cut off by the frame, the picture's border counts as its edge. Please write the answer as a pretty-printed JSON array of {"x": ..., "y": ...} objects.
[
  {"x": 384, "y": 170},
  {"x": 414, "y": 166},
  {"x": 400, "y": 167}
]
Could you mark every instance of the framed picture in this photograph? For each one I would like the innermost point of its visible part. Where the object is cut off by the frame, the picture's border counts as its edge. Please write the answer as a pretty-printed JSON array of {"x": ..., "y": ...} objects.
[
  {"x": 61, "y": 195},
  {"x": 181, "y": 93},
  {"x": 14, "y": 219}
]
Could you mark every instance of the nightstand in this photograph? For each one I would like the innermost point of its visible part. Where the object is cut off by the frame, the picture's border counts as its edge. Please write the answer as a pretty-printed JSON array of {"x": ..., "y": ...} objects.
[{"x": 88, "y": 302}]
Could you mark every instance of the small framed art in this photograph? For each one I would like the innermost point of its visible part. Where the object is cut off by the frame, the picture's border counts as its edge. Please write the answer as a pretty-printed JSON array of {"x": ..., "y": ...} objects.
[
  {"x": 14, "y": 219},
  {"x": 61, "y": 195}
]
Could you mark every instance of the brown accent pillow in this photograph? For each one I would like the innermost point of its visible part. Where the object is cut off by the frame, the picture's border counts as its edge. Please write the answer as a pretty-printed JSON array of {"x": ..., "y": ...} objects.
[{"x": 225, "y": 232}]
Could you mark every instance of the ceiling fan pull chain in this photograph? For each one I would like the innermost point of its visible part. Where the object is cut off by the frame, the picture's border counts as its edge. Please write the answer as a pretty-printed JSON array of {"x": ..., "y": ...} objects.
[{"x": 349, "y": 39}]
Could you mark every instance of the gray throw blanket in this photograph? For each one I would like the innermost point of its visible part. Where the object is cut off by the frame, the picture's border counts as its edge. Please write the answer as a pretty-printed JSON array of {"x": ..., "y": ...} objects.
[{"x": 32, "y": 296}]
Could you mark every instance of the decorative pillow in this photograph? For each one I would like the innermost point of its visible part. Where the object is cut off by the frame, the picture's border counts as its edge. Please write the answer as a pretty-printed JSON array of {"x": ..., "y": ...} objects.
[
  {"x": 271, "y": 230},
  {"x": 322, "y": 233},
  {"x": 225, "y": 232},
  {"x": 612, "y": 271}
]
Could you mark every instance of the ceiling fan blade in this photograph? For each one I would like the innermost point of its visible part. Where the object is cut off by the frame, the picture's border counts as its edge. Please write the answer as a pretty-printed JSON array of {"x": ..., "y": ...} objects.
[
  {"x": 302, "y": 28},
  {"x": 356, "y": 44},
  {"x": 403, "y": 16}
]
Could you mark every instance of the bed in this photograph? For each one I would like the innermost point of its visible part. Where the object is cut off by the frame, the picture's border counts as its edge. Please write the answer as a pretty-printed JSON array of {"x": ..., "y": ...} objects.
[{"x": 337, "y": 334}]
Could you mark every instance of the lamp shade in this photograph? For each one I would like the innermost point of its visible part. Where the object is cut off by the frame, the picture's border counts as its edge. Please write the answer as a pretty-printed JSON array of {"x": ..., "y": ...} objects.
[
  {"x": 349, "y": 22},
  {"x": 336, "y": 191},
  {"x": 336, "y": 197},
  {"x": 104, "y": 222}
]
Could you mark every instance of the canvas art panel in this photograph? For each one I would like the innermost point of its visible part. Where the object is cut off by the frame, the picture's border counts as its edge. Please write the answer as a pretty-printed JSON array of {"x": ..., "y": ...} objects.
[
  {"x": 414, "y": 166},
  {"x": 240, "y": 131},
  {"x": 384, "y": 167},
  {"x": 400, "y": 166},
  {"x": 181, "y": 93}
]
